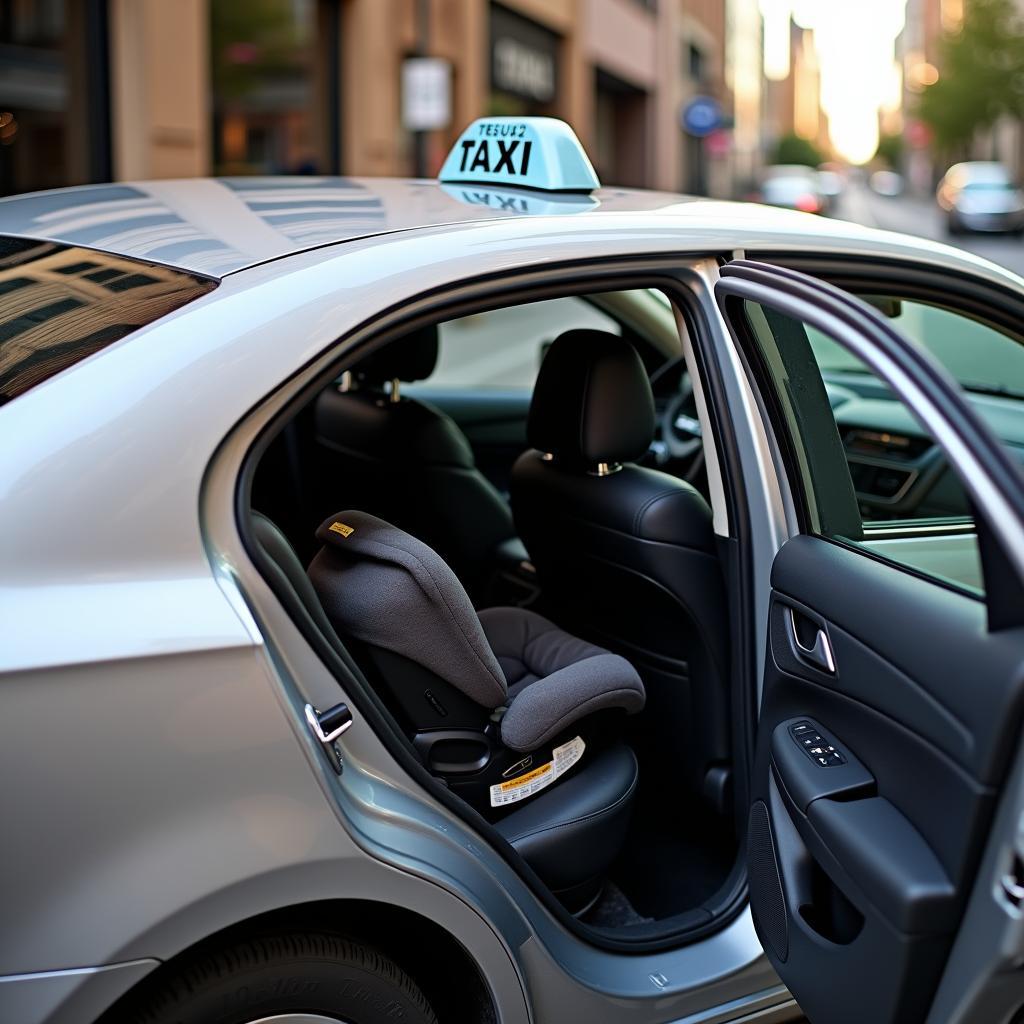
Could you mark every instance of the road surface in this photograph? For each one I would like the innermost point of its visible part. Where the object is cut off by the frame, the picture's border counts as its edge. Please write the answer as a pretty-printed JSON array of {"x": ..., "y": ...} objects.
[{"x": 914, "y": 216}]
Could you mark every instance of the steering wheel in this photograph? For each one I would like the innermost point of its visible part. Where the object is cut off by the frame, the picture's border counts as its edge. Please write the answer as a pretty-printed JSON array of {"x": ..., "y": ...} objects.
[{"x": 679, "y": 437}]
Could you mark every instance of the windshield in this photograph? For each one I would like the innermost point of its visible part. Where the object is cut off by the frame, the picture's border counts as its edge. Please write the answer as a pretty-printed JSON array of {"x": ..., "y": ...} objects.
[{"x": 979, "y": 357}]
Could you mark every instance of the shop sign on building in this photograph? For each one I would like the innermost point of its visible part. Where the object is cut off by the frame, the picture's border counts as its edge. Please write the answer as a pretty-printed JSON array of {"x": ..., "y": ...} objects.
[
  {"x": 523, "y": 58},
  {"x": 426, "y": 94}
]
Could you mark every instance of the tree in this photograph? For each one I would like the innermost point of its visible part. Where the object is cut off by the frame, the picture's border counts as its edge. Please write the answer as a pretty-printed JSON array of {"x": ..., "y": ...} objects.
[
  {"x": 251, "y": 40},
  {"x": 792, "y": 149},
  {"x": 890, "y": 149},
  {"x": 982, "y": 75}
]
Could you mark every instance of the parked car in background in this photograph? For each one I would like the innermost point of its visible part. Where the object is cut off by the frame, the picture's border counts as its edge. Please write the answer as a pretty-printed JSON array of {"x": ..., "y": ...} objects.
[
  {"x": 886, "y": 183},
  {"x": 792, "y": 187},
  {"x": 830, "y": 185},
  {"x": 980, "y": 196}
]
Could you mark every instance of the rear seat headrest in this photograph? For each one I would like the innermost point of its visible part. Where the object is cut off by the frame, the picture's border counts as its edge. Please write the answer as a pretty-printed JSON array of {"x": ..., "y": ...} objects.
[
  {"x": 412, "y": 357},
  {"x": 388, "y": 589}
]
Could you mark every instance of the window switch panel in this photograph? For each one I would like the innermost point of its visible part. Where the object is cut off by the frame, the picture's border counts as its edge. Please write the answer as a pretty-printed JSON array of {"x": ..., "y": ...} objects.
[{"x": 818, "y": 747}]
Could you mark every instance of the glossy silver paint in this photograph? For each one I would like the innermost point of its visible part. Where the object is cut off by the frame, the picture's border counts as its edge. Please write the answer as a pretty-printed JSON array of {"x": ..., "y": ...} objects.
[{"x": 134, "y": 628}]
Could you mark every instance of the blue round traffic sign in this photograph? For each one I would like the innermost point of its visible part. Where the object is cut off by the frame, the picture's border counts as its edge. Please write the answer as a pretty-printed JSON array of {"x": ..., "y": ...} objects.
[{"x": 702, "y": 115}]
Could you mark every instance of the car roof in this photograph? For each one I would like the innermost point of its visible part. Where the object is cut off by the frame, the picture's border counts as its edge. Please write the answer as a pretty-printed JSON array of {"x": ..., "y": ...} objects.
[
  {"x": 217, "y": 226},
  {"x": 980, "y": 170},
  {"x": 220, "y": 226}
]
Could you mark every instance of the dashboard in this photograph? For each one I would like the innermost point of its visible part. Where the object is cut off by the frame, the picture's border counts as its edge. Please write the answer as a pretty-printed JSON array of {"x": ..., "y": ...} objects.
[{"x": 898, "y": 471}]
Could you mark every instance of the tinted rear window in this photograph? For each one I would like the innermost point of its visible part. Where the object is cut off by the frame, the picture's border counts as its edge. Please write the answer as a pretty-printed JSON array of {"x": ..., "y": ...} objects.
[{"x": 60, "y": 303}]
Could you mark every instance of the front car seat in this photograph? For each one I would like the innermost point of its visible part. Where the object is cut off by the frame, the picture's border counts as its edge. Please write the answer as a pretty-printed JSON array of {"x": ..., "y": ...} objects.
[
  {"x": 409, "y": 463},
  {"x": 624, "y": 554}
]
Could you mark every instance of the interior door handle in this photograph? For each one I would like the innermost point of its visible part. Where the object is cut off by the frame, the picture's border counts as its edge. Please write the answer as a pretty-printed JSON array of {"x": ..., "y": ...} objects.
[{"x": 820, "y": 651}]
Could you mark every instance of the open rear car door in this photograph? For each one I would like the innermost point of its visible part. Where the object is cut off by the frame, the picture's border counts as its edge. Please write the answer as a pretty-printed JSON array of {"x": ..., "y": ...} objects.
[{"x": 884, "y": 831}]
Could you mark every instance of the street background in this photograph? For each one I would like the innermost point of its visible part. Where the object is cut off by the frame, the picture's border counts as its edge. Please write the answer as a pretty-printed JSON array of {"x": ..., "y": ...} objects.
[
  {"x": 695, "y": 96},
  {"x": 913, "y": 215}
]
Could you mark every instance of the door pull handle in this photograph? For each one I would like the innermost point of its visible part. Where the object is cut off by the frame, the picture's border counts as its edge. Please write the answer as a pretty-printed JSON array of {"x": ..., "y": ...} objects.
[{"x": 819, "y": 653}]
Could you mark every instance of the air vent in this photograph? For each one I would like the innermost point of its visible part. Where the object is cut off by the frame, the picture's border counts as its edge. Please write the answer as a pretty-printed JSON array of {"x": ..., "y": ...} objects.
[
  {"x": 887, "y": 482},
  {"x": 884, "y": 445}
]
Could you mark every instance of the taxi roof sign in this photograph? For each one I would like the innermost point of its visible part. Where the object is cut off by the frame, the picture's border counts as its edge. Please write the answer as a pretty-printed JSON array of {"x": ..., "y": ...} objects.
[{"x": 520, "y": 152}]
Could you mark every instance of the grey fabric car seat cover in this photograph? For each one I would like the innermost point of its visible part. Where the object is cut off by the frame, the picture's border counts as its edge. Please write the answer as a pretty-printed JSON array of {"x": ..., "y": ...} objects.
[
  {"x": 390, "y": 590},
  {"x": 386, "y": 588},
  {"x": 554, "y": 678}
]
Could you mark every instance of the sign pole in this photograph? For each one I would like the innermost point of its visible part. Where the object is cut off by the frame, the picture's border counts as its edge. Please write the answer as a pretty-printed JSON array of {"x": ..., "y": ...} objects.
[{"x": 422, "y": 49}]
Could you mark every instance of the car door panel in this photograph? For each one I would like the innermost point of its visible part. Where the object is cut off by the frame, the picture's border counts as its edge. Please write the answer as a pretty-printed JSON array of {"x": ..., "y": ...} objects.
[
  {"x": 861, "y": 867},
  {"x": 914, "y": 651},
  {"x": 837, "y": 943},
  {"x": 879, "y": 850}
]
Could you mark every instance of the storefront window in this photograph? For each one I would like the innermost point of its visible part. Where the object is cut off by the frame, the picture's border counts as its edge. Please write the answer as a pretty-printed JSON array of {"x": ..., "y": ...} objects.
[
  {"x": 620, "y": 131},
  {"x": 524, "y": 66},
  {"x": 274, "y": 86},
  {"x": 54, "y": 109}
]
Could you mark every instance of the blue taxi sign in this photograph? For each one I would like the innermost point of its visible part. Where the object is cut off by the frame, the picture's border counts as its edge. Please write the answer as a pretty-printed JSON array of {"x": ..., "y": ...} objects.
[{"x": 521, "y": 152}]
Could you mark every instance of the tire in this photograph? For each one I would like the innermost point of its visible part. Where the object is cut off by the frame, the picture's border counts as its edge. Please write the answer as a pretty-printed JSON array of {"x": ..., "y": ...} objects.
[{"x": 314, "y": 973}]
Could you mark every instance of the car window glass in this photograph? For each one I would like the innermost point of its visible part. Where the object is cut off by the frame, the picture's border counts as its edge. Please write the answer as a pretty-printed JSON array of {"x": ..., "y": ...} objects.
[
  {"x": 873, "y": 475},
  {"x": 982, "y": 359},
  {"x": 503, "y": 348},
  {"x": 60, "y": 304}
]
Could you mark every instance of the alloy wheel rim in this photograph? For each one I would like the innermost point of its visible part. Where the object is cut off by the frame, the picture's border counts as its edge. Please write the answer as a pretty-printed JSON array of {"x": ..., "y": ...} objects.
[{"x": 298, "y": 1018}]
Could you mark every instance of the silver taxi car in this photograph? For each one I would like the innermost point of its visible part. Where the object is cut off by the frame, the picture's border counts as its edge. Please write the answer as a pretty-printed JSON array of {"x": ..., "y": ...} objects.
[{"x": 503, "y": 598}]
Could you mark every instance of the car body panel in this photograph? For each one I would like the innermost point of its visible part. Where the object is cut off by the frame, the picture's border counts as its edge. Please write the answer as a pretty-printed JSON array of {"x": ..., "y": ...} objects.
[{"x": 71, "y": 996}]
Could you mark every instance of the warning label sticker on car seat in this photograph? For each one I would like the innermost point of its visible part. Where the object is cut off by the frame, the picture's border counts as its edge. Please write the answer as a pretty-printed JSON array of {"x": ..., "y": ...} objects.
[{"x": 562, "y": 759}]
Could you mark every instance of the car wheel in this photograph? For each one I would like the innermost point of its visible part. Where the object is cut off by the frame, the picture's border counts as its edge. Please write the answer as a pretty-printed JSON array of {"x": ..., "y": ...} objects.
[{"x": 302, "y": 978}]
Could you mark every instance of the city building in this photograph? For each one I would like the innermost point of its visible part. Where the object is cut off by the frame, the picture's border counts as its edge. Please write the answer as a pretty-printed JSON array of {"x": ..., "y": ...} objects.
[
  {"x": 918, "y": 55},
  {"x": 98, "y": 90},
  {"x": 745, "y": 73},
  {"x": 793, "y": 102}
]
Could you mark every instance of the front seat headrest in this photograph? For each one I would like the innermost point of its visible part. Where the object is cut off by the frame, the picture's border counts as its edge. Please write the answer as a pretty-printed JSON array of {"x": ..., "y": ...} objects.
[
  {"x": 592, "y": 402},
  {"x": 412, "y": 357}
]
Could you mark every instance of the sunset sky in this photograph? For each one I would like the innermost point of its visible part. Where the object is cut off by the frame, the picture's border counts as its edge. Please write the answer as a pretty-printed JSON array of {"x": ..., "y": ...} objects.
[{"x": 855, "y": 45}]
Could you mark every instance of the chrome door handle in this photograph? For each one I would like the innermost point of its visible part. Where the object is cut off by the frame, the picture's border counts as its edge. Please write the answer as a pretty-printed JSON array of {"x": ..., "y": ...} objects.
[{"x": 819, "y": 653}]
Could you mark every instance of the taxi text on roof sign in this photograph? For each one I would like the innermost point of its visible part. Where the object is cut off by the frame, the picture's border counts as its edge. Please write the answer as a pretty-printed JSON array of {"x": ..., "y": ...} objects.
[{"x": 522, "y": 152}]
